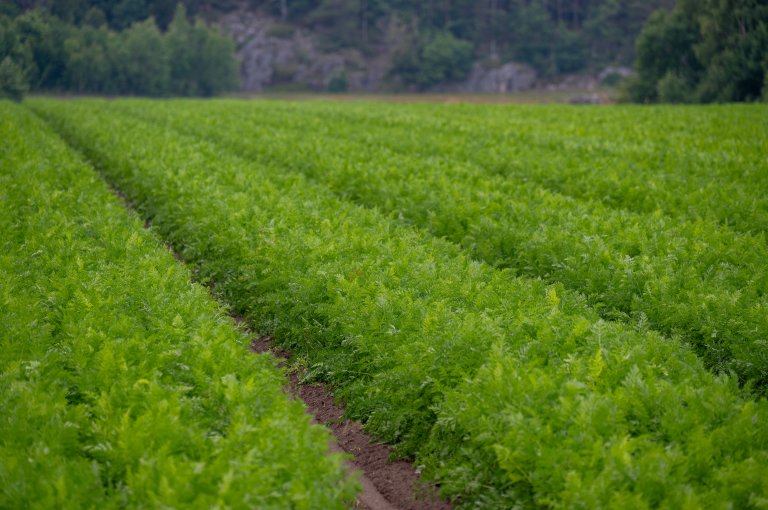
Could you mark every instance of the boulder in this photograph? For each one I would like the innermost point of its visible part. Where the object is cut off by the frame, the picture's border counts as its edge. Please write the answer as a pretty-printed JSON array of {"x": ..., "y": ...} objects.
[
  {"x": 510, "y": 77},
  {"x": 620, "y": 71}
]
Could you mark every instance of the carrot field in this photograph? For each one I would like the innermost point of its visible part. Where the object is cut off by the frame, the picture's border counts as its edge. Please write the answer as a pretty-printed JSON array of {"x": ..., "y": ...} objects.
[{"x": 539, "y": 306}]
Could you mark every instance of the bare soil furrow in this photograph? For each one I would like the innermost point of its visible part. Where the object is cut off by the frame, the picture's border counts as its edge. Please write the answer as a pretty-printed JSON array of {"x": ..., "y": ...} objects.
[{"x": 387, "y": 485}]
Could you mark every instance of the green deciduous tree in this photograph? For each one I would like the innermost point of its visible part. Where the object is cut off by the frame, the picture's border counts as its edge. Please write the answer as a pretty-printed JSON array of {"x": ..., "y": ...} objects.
[
  {"x": 532, "y": 35},
  {"x": 201, "y": 59},
  {"x": 180, "y": 49},
  {"x": 42, "y": 37},
  {"x": 734, "y": 47},
  {"x": 665, "y": 46},
  {"x": 89, "y": 61},
  {"x": 438, "y": 57},
  {"x": 216, "y": 64},
  {"x": 13, "y": 81},
  {"x": 127, "y": 12},
  {"x": 188, "y": 59},
  {"x": 713, "y": 50},
  {"x": 141, "y": 63}
]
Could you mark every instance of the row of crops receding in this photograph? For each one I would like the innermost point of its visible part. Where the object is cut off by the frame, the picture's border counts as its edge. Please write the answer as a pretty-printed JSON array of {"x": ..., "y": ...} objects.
[
  {"x": 693, "y": 278},
  {"x": 122, "y": 384},
  {"x": 691, "y": 163},
  {"x": 525, "y": 346}
]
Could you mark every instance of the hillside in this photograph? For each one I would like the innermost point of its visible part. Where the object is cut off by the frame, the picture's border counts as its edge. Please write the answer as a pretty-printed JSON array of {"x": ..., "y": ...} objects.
[
  {"x": 491, "y": 46},
  {"x": 355, "y": 45}
]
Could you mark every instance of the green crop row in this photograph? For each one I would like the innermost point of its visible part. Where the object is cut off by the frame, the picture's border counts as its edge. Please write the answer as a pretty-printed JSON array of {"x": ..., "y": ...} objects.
[
  {"x": 714, "y": 172},
  {"x": 682, "y": 176},
  {"x": 694, "y": 279},
  {"x": 510, "y": 392},
  {"x": 122, "y": 384}
]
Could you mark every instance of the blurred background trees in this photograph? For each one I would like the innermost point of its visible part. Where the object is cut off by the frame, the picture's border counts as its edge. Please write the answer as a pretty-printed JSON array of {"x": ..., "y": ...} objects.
[
  {"x": 685, "y": 50},
  {"x": 555, "y": 36},
  {"x": 703, "y": 51},
  {"x": 113, "y": 48}
]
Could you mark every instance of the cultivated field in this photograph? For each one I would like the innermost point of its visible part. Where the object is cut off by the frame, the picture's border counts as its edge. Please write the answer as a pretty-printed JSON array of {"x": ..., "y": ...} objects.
[
  {"x": 123, "y": 384},
  {"x": 553, "y": 306}
]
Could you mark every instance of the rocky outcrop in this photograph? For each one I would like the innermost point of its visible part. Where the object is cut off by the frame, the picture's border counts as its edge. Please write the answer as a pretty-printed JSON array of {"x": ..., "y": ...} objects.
[
  {"x": 275, "y": 54},
  {"x": 272, "y": 53},
  {"x": 619, "y": 72},
  {"x": 593, "y": 98},
  {"x": 506, "y": 78},
  {"x": 510, "y": 77},
  {"x": 590, "y": 81}
]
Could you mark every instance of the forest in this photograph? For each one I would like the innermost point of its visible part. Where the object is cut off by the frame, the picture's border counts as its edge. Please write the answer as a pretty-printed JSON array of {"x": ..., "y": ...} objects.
[
  {"x": 711, "y": 51},
  {"x": 555, "y": 37},
  {"x": 113, "y": 52},
  {"x": 685, "y": 51}
]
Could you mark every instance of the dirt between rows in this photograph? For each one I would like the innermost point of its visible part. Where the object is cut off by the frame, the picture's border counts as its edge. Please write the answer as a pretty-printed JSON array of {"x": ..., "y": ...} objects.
[{"x": 386, "y": 485}]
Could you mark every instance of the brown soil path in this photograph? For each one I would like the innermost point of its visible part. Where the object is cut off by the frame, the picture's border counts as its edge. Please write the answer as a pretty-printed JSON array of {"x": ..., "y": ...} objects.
[{"x": 386, "y": 485}]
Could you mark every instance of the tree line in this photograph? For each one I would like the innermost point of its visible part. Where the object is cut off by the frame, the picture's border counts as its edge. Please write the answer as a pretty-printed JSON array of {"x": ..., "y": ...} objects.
[
  {"x": 554, "y": 36},
  {"x": 433, "y": 41},
  {"x": 683, "y": 51},
  {"x": 92, "y": 51},
  {"x": 703, "y": 51}
]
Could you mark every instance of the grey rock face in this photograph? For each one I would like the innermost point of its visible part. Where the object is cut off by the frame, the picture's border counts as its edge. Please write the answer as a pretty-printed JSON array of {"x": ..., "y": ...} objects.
[
  {"x": 621, "y": 71},
  {"x": 271, "y": 54},
  {"x": 510, "y": 77}
]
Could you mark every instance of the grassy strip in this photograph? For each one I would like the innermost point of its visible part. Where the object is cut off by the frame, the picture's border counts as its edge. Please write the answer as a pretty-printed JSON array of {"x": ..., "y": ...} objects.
[
  {"x": 122, "y": 384},
  {"x": 697, "y": 280},
  {"x": 510, "y": 392}
]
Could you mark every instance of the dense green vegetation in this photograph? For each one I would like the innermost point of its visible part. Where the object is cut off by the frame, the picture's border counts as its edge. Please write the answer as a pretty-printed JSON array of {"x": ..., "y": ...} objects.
[
  {"x": 689, "y": 277},
  {"x": 553, "y": 36},
  {"x": 509, "y": 390},
  {"x": 122, "y": 384},
  {"x": 42, "y": 52},
  {"x": 425, "y": 43},
  {"x": 704, "y": 164},
  {"x": 704, "y": 51},
  {"x": 683, "y": 51}
]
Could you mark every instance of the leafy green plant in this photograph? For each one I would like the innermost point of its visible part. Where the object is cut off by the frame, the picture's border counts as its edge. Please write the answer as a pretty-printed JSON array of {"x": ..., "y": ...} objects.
[
  {"x": 122, "y": 384},
  {"x": 694, "y": 279},
  {"x": 692, "y": 163},
  {"x": 508, "y": 390}
]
